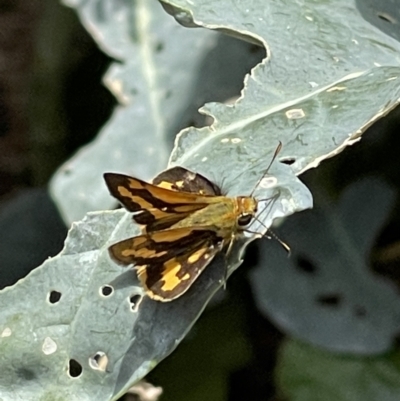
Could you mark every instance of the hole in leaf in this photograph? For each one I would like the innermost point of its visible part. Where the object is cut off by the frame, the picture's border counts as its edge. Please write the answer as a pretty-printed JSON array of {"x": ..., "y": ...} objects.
[
  {"x": 255, "y": 49},
  {"x": 287, "y": 160},
  {"x": 329, "y": 300},
  {"x": 386, "y": 17},
  {"x": 135, "y": 301},
  {"x": 106, "y": 290},
  {"x": 54, "y": 297},
  {"x": 74, "y": 368},
  {"x": 98, "y": 361},
  {"x": 305, "y": 264}
]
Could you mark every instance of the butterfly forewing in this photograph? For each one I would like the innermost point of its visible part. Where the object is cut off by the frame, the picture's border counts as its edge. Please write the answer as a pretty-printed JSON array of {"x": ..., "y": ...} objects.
[
  {"x": 159, "y": 208},
  {"x": 138, "y": 195}
]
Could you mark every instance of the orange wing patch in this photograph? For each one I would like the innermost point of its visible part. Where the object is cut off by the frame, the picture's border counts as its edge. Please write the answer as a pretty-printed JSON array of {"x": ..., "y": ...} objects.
[{"x": 171, "y": 279}]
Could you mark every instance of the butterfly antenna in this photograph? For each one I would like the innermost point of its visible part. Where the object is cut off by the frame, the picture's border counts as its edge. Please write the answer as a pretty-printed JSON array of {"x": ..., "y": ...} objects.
[
  {"x": 255, "y": 218},
  {"x": 272, "y": 199},
  {"x": 271, "y": 234},
  {"x": 277, "y": 150},
  {"x": 283, "y": 244},
  {"x": 222, "y": 184}
]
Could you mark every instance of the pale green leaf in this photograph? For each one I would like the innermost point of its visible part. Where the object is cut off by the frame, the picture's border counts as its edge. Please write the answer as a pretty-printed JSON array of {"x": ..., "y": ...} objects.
[{"x": 312, "y": 92}]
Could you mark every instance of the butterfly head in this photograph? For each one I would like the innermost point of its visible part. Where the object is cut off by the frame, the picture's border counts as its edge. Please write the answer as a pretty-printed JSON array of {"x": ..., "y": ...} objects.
[{"x": 247, "y": 209}]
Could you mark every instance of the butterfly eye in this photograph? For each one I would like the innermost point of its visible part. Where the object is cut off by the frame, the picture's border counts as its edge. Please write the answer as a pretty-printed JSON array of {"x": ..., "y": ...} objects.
[{"x": 244, "y": 219}]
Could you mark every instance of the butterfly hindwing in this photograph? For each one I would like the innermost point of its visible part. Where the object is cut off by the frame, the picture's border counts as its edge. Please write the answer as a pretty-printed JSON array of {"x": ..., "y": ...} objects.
[
  {"x": 167, "y": 281},
  {"x": 167, "y": 262},
  {"x": 180, "y": 179},
  {"x": 161, "y": 245}
]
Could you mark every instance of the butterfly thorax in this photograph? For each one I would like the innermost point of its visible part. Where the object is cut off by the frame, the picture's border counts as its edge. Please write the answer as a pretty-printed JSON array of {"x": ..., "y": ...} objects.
[{"x": 224, "y": 215}]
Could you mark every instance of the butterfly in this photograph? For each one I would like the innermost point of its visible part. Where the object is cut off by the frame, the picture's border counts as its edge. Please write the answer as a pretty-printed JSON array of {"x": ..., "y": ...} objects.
[{"x": 186, "y": 221}]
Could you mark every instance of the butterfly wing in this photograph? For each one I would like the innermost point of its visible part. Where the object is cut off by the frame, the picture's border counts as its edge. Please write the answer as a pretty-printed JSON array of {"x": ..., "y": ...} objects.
[
  {"x": 168, "y": 262},
  {"x": 136, "y": 195},
  {"x": 179, "y": 179},
  {"x": 159, "y": 208}
]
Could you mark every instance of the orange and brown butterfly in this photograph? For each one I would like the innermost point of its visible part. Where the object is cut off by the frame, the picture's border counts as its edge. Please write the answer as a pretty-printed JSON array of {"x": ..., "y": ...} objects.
[{"x": 186, "y": 222}]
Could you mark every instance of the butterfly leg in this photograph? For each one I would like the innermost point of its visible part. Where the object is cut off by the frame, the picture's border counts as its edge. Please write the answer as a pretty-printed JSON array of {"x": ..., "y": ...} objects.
[{"x": 227, "y": 253}]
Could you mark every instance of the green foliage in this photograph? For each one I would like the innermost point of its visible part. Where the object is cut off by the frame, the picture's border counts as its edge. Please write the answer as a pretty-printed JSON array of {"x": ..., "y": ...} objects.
[{"x": 306, "y": 373}]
